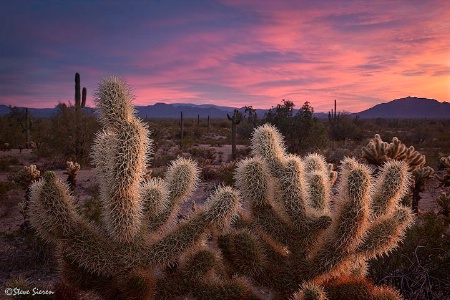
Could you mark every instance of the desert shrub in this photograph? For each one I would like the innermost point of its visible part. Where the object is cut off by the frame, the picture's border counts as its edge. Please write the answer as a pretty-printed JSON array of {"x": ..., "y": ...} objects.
[
  {"x": 203, "y": 153},
  {"x": 346, "y": 128},
  {"x": 303, "y": 132},
  {"x": 418, "y": 267},
  {"x": 60, "y": 141}
]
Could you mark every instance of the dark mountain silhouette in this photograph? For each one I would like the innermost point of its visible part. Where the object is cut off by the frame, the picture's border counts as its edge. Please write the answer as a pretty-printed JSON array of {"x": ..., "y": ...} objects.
[
  {"x": 407, "y": 108},
  {"x": 163, "y": 110}
]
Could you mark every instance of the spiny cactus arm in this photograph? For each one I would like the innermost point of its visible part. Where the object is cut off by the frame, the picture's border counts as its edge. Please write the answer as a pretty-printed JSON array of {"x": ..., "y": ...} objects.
[
  {"x": 310, "y": 291},
  {"x": 353, "y": 207},
  {"x": 256, "y": 188},
  {"x": 128, "y": 165},
  {"x": 385, "y": 233},
  {"x": 181, "y": 179},
  {"x": 155, "y": 198},
  {"x": 391, "y": 184},
  {"x": 125, "y": 159},
  {"x": 113, "y": 99},
  {"x": 397, "y": 150},
  {"x": 102, "y": 256},
  {"x": 320, "y": 177},
  {"x": 389, "y": 220},
  {"x": 221, "y": 208},
  {"x": 294, "y": 195},
  {"x": 376, "y": 151},
  {"x": 414, "y": 159},
  {"x": 52, "y": 212},
  {"x": 267, "y": 143},
  {"x": 162, "y": 198},
  {"x": 349, "y": 222},
  {"x": 244, "y": 251}
]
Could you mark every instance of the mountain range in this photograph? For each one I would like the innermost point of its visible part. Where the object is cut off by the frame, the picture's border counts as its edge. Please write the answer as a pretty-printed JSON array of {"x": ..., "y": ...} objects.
[{"x": 403, "y": 108}]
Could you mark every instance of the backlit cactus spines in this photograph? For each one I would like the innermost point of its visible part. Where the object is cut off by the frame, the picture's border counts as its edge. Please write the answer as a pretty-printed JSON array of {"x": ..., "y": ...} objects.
[
  {"x": 267, "y": 142},
  {"x": 310, "y": 291},
  {"x": 378, "y": 152},
  {"x": 26, "y": 177},
  {"x": 140, "y": 234},
  {"x": 125, "y": 145},
  {"x": 293, "y": 234}
]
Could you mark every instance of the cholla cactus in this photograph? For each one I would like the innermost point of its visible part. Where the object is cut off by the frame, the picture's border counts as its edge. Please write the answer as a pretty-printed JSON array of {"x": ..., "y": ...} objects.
[
  {"x": 445, "y": 178},
  {"x": 444, "y": 203},
  {"x": 445, "y": 161},
  {"x": 378, "y": 152},
  {"x": 127, "y": 256},
  {"x": 71, "y": 172},
  {"x": 26, "y": 177},
  {"x": 292, "y": 237},
  {"x": 419, "y": 181}
]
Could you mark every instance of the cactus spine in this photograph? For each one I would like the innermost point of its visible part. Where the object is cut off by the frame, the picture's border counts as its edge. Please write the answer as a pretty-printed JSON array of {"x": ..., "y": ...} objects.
[
  {"x": 139, "y": 235},
  {"x": 291, "y": 235},
  {"x": 235, "y": 120}
]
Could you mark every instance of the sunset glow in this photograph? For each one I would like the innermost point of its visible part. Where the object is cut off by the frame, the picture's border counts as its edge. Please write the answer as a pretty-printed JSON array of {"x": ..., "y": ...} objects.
[{"x": 230, "y": 53}]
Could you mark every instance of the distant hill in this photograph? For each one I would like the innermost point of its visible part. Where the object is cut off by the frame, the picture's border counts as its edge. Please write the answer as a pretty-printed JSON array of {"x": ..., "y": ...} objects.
[
  {"x": 163, "y": 110},
  {"x": 37, "y": 112},
  {"x": 408, "y": 108}
]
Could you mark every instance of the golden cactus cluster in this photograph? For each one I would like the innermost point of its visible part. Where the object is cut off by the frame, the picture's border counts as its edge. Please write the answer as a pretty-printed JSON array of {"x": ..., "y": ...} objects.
[
  {"x": 377, "y": 152},
  {"x": 72, "y": 167},
  {"x": 27, "y": 175},
  {"x": 290, "y": 235}
]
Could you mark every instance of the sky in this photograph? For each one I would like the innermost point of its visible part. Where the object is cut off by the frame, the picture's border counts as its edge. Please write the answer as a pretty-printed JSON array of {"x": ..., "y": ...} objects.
[{"x": 229, "y": 52}]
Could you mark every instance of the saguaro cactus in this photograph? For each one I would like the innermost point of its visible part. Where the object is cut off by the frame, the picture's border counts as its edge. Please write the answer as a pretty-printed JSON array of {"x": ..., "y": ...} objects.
[
  {"x": 26, "y": 124},
  {"x": 80, "y": 98},
  {"x": 126, "y": 257},
  {"x": 80, "y": 103},
  {"x": 235, "y": 120},
  {"x": 292, "y": 237}
]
